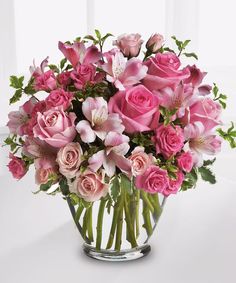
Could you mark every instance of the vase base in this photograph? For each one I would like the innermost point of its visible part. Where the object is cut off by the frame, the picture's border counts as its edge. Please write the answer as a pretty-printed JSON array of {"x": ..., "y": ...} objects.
[{"x": 123, "y": 255}]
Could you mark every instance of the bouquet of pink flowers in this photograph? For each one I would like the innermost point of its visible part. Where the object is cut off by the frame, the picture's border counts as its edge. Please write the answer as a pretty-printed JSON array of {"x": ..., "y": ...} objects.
[{"x": 111, "y": 128}]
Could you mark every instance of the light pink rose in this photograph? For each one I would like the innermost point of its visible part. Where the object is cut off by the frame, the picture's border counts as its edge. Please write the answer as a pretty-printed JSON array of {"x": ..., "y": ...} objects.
[
  {"x": 77, "y": 53},
  {"x": 55, "y": 127},
  {"x": 116, "y": 146},
  {"x": 90, "y": 186},
  {"x": 46, "y": 169},
  {"x": 59, "y": 97},
  {"x": 99, "y": 123},
  {"x": 206, "y": 111},
  {"x": 174, "y": 184},
  {"x": 17, "y": 167},
  {"x": 69, "y": 159},
  {"x": 122, "y": 72},
  {"x": 83, "y": 74},
  {"x": 163, "y": 71},
  {"x": 155, "y": 42},
  {"x": 137, "y": 107},
  {"x": 129, "y": 44},
  {"x": 153, "y": 180},
  {"x": 140, "y": 161},
  {"x": 168, "y": 140},
  {"x": 185, "y": 161}
]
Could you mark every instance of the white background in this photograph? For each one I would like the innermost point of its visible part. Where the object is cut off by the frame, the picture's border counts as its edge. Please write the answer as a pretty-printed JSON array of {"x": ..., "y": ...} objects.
[{"x": 196, "y": 237}]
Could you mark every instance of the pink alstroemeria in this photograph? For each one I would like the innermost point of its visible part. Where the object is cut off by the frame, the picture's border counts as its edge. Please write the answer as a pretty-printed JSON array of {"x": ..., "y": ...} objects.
[
  {"x": 201, "y": 141},
  {"x": 98, "y": 122},
  {"x": 77, "y": 53},
  {"x": 121, "y": 72},
  {"x": 117, "y": 145},
  {"x": 180, "y": 98}
]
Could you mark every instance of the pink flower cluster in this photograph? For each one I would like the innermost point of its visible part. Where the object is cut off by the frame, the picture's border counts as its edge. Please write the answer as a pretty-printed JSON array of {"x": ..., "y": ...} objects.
[{"x": 111, "y": 113}]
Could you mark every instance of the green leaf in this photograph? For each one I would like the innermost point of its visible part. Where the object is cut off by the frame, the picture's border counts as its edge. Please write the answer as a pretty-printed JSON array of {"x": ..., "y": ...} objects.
[
  {"x": 185, "y": 43},
  {"x": 45, "y": 187},
  {"x": 192, "y": 54},
  {"x": 16, "y": 82},
  {"x": 98, "y": 34},
  {"x": 17, "y": 96},
  {"x": 62, "y": 63},
  {"x": 64, "y": 187},
  {"x": 190, "y": 180},
  {"x": 209, "y": 162},
  {"x": 89, "y": 37},
  {"x": 74, "y": 199},
  {"x": 115, "y": 188},
  {"x": 222, "y": 103},
  {"x": 207, "y": 175},
  {"x": 229, "y": 135},
  {"x": 54, "y": 68},
  {"x": 126, "y": 184}
]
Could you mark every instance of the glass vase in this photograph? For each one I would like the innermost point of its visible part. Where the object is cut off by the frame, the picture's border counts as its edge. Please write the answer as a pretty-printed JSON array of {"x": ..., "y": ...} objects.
[{"x": 118, "y": 230}]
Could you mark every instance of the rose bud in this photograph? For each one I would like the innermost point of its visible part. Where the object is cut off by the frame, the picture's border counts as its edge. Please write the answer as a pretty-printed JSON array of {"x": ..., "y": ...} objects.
[{"x": 155, "y": 42}]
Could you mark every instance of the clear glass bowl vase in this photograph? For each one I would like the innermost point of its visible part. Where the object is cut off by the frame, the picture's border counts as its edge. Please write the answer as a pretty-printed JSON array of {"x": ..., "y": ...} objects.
[{"x": 120, "y": 230}]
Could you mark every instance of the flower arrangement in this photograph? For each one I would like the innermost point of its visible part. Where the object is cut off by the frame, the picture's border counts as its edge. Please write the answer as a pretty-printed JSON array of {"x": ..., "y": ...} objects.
[{"x": 108, "y": 127}]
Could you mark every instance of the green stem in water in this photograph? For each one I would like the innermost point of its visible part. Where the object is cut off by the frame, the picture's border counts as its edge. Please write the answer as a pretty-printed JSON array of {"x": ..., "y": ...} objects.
[
  {"x": 147, "y": 220},
  {"x": 130, "y": 226},
  {"x": 78, "y": 213},
  {"x": 90, "y": 223},
  {"x": 99, "y": 223},
  {"x": 116, "y": 214},
  {"x": 147, "y": 201},
  {"x": 137, "y": 198},
  {"x": 119, "y": 227},
  {"x": 85, "y": 224}
]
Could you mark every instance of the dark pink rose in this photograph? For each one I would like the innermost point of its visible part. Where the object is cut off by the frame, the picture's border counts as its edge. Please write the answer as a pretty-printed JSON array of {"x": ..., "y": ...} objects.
[
  {"x": 64, "y": 79},
  {"x": 153, "y": 180},
  {"x": 83, "y": 74},
  {"x": 206, "y": 111},
  {"x": 174, "y": 184},
  {"x": 163, "y": 71},
  {"x": 185, "y": 161},
  {"x": 169, "y": 140},
  {"x": 55, "y": 127},
  {"x": 45, "y": 81},
  {"x": 137, "y": 107},
  {"x": 59, "y": 97},
  {"x": 17, "y": 167},
  {"x": 129, "y": 44}
]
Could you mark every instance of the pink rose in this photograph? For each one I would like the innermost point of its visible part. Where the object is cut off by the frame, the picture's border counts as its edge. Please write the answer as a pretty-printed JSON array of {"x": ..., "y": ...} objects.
[
  {"x": 155, "y": 42},
  {"x": 83, "y": 74},
  {"x": 69, "y": 159},
  {"x": 46, "y": 169},
  {"x": 163, "y": 71},
  {"x": 153, "y": 180},
  {"x": 137, "y": 107},
  {"x": 64, "y": 78},
  {"x": 129, "y": 44},
  {"x": 140, "y": 161},
  {"x": 89, "y": 186},
  {"x": 169, "y": 140},
  {"x": 207, "y": 112},
  {"x": 174, "y": 184},
  {"x": 55, "y": 127},
  {"x": 17, "y": 167},
  {"x": 59, "y": 97},
  {"x": 185, "y": 161}
]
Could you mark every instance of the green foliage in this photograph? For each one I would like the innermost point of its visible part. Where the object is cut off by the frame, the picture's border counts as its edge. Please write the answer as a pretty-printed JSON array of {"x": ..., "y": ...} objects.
[
  {"x": 209, "y": 162},
  {"x": 142, "y": 139},
  {"x": 125, "y": 184},
  {"x": 47, "y": 186},
  {"x": 16, "y": 82},
  {"x": 29, "y": 88},
  {"x": 54, "y": 68},
  {"x": 62, "y": 63},
  {"x": 115, "y": 188},
  {"x": 207, "y": 175},
  {"x": 98, "y": 39},
  {"x": 221, "y": 98},
  {"x": 167, "y": 114},
  {"x": 181, "y": 45},
  {"x": 14, "y": 142},
  {"x": 190, "y": 180},
  {"x": 229, "y": 135},
  {"x": 64, "y": 186},
  {"x": 17, "y": 96}
]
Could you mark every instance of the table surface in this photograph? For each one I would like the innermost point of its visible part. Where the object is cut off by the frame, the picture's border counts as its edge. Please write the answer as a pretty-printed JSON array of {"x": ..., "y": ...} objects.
[{"x": 194, "y": 242}]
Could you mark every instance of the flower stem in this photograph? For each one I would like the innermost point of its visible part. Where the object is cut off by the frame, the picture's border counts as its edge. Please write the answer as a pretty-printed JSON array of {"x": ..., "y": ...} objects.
[
  {"x": 130, "y": 226},
  {"x": 119, "y": 222},
  {"x": 78, "y": 213},
  {"x": 147, "y": 201},
  {"x": 147, "y": 220},
  {"x": 137, "y": 195},
  {"x": 116, "y": 214},
  {"x": 85, "y": 224},
  {"x": 99, "y": 223},
  {"x": 90, "y": 223}
]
